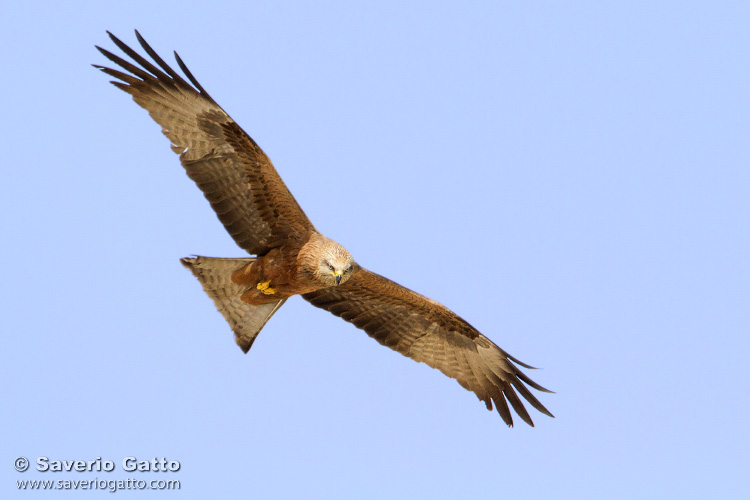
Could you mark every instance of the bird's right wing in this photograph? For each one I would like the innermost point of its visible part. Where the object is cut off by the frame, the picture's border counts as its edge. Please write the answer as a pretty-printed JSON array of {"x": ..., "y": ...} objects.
[
  {"x": 428, "y": 332},
  {"x": 234, "y": 173}
]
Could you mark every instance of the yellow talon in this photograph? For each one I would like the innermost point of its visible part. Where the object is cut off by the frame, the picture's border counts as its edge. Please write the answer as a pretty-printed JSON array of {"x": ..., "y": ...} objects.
[{"x": 266, "y": 288}]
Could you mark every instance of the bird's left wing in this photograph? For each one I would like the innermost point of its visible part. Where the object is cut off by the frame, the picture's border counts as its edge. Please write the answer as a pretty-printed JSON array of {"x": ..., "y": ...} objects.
[
  {"x": 428, "y": 332},
  {"x": 234, "y": 173}
]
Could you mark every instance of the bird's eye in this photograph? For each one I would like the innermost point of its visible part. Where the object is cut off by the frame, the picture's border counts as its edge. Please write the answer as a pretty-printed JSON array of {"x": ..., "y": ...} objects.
[
  {"x": 348, "y": 269},
  {"x": 331, "y": 267}
]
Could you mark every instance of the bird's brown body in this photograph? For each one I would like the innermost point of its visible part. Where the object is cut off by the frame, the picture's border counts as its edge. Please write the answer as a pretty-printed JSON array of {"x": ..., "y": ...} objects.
[{"x": 292, "y": 257}]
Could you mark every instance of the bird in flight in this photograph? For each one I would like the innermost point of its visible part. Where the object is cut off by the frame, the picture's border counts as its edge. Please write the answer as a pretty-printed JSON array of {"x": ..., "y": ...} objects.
[{"x": 290, "y": 256}]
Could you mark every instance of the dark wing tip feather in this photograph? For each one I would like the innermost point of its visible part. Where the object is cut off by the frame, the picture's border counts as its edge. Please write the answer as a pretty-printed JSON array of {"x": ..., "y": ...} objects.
[
  {"x": 151, "y": 52},
  {"x": 190, "y": 76},
  {"x": 122, "y": 86},
  {"x": 138, "y": 58},
  {"x": 519, "y": 362},
  {"x": 530, "y": 382},
  {"x": 517, "y": 405},
  {"x": 528, "y": 396},
  {"x": 129, "y": 79},
  {"x": 143, "y": 75},
  {"x": 502, "y": 409},
  {"x": 145, "y": 70}
]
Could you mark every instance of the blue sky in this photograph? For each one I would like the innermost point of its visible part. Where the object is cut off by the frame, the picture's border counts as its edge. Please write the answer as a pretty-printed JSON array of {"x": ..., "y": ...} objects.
[{"x": 572, "y": 179}]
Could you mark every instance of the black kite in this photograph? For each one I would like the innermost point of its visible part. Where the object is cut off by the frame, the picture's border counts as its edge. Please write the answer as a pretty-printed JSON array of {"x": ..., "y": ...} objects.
[{"x": 292, "y": 257}]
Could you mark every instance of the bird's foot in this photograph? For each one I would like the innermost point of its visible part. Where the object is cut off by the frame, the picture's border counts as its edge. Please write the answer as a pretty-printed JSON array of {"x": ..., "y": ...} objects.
[{"x": 266, "y": 288}]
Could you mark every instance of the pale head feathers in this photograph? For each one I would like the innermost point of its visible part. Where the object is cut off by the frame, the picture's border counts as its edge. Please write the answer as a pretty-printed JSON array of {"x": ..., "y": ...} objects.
[
  {"x": 336, "y": 264},
  {"x": 327, "y": 262}
]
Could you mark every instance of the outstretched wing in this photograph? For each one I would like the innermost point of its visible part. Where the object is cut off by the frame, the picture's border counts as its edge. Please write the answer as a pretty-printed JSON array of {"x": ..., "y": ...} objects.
[
  {"x": 236, "y": 176},
  {"x": 430, "y": 333}
]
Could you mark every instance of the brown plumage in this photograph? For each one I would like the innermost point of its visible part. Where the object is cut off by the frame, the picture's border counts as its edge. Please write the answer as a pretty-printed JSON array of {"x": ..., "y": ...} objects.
[{"x": 293, "y": 258}]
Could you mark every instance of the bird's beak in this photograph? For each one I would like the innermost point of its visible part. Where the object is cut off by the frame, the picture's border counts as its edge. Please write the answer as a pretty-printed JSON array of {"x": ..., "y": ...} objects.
[{"x": 338, "y": 277}]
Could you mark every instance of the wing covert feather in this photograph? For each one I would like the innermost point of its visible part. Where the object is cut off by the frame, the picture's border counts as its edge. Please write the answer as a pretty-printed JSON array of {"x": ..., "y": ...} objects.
[{"x": 428, "y": 332}]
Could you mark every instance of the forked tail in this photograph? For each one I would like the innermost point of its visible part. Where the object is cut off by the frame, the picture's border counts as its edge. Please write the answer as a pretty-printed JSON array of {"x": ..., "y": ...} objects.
[{"x": 215, "y": 275}]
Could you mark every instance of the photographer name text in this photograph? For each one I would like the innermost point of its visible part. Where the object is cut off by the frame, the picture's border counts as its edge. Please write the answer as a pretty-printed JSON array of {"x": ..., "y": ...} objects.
[{"x": 128, "y": 464}]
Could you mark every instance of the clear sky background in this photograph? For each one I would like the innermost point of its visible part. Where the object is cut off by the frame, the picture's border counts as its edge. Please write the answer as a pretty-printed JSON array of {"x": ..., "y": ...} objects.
[{"x": 572, "y": 178}]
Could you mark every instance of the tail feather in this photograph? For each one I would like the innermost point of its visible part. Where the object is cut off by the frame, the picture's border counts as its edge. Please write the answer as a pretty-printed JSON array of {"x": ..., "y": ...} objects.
[{"x": 215, "y": 275}]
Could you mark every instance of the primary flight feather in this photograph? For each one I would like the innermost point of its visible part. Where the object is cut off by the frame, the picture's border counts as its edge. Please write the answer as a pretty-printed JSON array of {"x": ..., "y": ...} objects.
[{"x": 291, "y": 256}]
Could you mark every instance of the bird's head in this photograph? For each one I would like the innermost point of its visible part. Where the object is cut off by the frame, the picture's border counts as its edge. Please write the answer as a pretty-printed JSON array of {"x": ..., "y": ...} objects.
[{"x": 336, "y": 264}]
